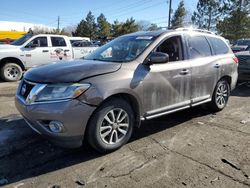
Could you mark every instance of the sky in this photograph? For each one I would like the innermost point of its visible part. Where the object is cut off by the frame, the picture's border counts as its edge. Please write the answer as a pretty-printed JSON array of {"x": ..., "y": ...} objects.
[{"x": 72, "y": 11}]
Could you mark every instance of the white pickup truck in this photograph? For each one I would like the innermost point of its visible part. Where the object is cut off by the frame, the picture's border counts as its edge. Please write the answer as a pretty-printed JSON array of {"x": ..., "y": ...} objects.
[{"x": 31, "y": 51}]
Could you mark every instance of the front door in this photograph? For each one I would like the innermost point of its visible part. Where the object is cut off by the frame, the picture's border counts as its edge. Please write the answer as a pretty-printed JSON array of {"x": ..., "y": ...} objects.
[
  {"x": 167, "y": 86},
  {"x": 36, "y": 52}
]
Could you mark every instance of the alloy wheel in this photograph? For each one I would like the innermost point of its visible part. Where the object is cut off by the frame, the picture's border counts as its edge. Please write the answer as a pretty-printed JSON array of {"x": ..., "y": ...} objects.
[
  {"x": 114, "y": 126},
  {"x": 222, "y": 95}
]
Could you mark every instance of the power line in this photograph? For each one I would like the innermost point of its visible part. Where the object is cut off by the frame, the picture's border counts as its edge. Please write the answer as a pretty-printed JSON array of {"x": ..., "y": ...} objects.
[{"x": 139, "y": 10}]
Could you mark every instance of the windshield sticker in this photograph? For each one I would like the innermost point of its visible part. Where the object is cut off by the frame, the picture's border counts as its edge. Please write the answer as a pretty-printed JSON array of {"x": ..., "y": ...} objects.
[{"x": 144, "y": 38}]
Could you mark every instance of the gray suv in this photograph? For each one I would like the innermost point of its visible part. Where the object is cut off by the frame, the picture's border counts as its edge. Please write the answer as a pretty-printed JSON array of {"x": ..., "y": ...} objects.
[{"x": 131, "y": 79}]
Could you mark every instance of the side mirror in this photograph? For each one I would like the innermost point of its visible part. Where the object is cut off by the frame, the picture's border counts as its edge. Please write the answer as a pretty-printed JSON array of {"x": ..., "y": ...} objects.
[{"x": 157, "y": 58}]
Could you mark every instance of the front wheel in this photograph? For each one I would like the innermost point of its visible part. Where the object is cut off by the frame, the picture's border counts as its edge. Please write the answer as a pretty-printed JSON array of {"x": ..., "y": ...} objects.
[
  {"x": 11, "y": 72},
  {"x": 111, "y": 126},
  {"x": 220, "y": 96}
]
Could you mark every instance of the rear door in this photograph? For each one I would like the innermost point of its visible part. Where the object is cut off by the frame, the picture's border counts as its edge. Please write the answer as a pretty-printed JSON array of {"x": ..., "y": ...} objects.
[
  {"x": 60, "y": 49},
  {"x": 82, "y": 49},
  {"x": 205, "y": 68}
]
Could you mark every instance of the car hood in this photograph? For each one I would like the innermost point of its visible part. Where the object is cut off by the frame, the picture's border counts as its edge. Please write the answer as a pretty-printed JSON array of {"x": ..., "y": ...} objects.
[
  {"x": 70, "y": 71},
  {"x": 7, "y": 46}
]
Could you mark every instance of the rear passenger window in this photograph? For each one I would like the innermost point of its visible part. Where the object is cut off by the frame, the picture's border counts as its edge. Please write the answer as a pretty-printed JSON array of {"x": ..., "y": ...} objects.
[
  {"x": 218, "y": 46},
  {"x": 58, "y": 41},
  {"x": 198, "y": 47}
]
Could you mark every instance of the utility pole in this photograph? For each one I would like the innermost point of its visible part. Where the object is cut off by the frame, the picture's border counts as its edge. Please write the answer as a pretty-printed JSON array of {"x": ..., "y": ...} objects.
[
  {"x": 58, "y": 24},
  {"x": 169, "y": 13}
]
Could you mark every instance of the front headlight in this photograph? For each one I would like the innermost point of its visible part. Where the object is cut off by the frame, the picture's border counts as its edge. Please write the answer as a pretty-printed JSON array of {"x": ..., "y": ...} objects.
[{"x": 52, "y": 92}]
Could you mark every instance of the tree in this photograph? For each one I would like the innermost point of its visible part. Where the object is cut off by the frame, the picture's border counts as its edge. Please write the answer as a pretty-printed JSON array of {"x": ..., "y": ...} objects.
[
  {"x": 236, "y": 26},
  {"x": 153, "y": 27},
  {"x": 120, "y": 28},
  {"x": 208, "y": 13},
  {"x": 179, "y": 16},
  {"x": 129, "y": 26},
  {"x": 233, "y": 5},
  {"x": 103, "y": 27},
  {"x": 116, "y": 28},
  {"x": 87, "y": 27},
  {"x": 145, "y": 25}
]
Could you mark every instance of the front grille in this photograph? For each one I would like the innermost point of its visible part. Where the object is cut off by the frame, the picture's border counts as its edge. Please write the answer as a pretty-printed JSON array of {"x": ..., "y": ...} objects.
[{"x": 25, "y": 89}]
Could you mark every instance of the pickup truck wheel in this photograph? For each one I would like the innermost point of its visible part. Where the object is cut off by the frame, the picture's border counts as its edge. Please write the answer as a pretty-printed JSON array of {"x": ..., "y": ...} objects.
[
  {"x": 11, "y": 72},
  {"x": 220, "y": 96},
  {"x": 111, "y": 126}
]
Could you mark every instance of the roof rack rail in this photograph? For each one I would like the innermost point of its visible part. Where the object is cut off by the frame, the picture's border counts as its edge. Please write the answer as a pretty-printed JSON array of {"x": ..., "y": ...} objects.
[{"x": 193, "y": 29}]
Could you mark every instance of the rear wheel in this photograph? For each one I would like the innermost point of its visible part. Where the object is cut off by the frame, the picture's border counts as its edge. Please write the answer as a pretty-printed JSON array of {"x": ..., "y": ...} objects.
[
  {"x": 111, "y": 126},
  {"x": 11, "y": 72},
  {"x": 220, "y": 96}
]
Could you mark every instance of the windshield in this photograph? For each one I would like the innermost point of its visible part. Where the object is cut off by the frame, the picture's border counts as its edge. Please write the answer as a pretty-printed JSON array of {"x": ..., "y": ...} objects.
[
  {"x": 21, "y": 40},
  {"x": 122, "y": 49}
]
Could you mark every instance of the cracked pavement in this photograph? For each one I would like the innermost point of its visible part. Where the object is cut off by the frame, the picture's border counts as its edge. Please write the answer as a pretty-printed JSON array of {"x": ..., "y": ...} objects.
[{"x": 191, "y": 148}]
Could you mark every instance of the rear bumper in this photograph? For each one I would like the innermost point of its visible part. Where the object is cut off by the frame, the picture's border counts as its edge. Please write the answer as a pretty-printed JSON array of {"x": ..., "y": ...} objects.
[{"x": 73, "y": 114}]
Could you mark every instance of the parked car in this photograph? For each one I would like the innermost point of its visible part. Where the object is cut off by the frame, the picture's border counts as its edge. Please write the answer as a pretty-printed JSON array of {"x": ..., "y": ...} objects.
[
  {"x": 30, "y": 51},
  {"x": 240, "y": 45},
  {"x": 134, "y": 78},
  {"x": 244, "y": 65},
  {"x": 77, "y": 39}
]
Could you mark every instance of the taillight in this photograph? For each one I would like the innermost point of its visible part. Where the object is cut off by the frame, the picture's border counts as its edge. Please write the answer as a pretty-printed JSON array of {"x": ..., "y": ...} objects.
[{"x": 235, "y": 60}]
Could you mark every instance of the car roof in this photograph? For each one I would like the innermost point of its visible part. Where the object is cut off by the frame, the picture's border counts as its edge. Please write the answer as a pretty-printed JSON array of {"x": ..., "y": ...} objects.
[
  {"x": 148, "y": 33},
  {"x": 180, "y": 30}
]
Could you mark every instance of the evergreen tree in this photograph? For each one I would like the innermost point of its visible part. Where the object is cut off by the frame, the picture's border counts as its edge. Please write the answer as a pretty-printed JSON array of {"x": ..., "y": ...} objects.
[
  {"x": 103, "y": 26},
  {"x": 179, "y": 16},
  {"x": 120, "y": 28},
  {"x": 233, "y": 5},
  {"x": 116, "y": 28},
  {"x": 208, "y": 13},
  {"x": 129, "y": 26},
  {"x": 87, "y": 27},
  {"x": 145, "y": 25},
  {"x": 236, "y": 26},
  {"x": 153, "y": 27}
]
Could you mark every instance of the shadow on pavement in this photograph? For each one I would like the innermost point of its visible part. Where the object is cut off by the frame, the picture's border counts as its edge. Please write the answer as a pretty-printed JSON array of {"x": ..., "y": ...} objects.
[
  {"x": 26, "y": 154},
  {"x": 242, "y": 90}
]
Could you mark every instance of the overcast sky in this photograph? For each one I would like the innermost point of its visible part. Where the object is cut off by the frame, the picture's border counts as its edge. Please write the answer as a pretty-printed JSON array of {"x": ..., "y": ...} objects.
[{"x": 72, "y": 11}]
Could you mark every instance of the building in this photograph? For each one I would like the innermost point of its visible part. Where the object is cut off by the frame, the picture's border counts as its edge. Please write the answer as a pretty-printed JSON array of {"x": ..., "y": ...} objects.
[{"x": 10, "y": 31}]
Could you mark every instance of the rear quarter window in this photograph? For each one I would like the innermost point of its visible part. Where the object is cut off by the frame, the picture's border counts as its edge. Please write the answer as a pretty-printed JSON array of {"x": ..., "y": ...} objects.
[
  {"x": 218, "y": 45},
  {"x": 198, "y": 47}
]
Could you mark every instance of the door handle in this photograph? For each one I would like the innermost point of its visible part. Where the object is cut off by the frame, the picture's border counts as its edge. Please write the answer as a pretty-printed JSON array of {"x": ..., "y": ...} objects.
[
  {"x": 184, "y": 72},
  {"x": 66, "y": 50},
  {"x": 44, "y": 51},
  {"x": 217, "y": 66}
]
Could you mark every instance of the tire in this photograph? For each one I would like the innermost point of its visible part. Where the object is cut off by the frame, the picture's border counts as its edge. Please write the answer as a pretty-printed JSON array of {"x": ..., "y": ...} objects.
[
  {"x": 103, "y": 126},
  {"x": 11, "y": 72},
  {"x": 220, "y": 96}
]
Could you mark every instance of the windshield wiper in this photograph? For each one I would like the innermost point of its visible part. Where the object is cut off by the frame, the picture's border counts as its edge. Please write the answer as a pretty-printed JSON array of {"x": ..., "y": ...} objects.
[{"x": 106, "y": 60}]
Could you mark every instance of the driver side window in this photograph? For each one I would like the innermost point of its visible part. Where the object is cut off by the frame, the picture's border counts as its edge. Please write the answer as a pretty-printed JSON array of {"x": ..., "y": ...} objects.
[
  {"x": 173, "y": 47},
  {"x": 39, "y": 42}
]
